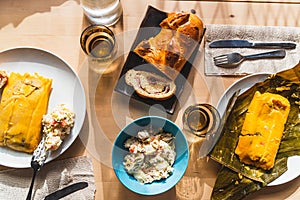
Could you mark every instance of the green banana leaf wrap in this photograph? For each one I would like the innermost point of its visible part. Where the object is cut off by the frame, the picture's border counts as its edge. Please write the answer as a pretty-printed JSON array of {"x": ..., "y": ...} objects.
[{"x": 236, "y": 180}]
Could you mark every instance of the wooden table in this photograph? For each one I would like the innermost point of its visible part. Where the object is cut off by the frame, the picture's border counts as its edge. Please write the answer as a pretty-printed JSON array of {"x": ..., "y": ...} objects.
[{"x": 56, "y": 26}]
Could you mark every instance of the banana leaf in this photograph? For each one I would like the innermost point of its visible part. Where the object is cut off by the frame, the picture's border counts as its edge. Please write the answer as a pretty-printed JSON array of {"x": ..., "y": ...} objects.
[
  {"x": 230, "y": 185},
  {"x": 285, "y": 83}
]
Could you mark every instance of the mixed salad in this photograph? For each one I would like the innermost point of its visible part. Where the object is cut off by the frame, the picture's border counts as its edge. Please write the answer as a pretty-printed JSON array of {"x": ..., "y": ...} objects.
[
  {"x": 151, "y": 157},
  {"x": 56, "y": 125}
]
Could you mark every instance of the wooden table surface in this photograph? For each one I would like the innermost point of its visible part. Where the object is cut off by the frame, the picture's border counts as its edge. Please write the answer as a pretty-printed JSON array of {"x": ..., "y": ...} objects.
[{"x": 56, "y": 26}]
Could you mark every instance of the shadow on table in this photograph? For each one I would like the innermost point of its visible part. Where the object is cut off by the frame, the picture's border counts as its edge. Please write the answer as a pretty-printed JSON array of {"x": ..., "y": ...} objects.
[{"x": 25, "y": 9}]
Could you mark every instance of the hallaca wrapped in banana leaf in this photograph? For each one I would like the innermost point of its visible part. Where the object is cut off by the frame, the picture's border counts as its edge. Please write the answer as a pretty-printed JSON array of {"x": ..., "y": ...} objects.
[
  {"x": 23, "y": 103},
  {"x": 237, "y": 179},
  {"x": 262, "y": 130}
]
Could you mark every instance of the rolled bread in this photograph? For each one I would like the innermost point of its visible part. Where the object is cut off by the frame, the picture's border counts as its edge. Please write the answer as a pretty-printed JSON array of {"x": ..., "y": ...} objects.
[{"x": 150, "y": 85}]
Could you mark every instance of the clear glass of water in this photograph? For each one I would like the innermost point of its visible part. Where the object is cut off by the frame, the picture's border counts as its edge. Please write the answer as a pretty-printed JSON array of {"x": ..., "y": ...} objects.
[
  {"x": 106, "y": 12},
  {"x": 99, "y": 44}
]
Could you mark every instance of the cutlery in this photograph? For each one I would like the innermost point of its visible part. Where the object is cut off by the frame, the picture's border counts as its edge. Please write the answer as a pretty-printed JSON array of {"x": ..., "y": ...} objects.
[
  {"x": 234, "y": 59},
  {"x": 66, "y": 191},
  {"x": 247, "y": 44},
  {"x": 212, "y": 138},
  {"x": 37, "y": 161}
]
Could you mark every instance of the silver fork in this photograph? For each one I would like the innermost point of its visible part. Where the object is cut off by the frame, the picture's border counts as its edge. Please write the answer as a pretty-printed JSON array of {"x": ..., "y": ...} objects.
[
  {"x": 37, "y": 161},
  {"x": 234, "y": 59}
]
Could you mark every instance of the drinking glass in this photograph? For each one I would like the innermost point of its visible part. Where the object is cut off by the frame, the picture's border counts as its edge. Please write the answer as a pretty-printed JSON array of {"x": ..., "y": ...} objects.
[
  {"x": 106, "y": 12},
  {"x": 99, "y": 44},
  {"x": 201, "y": 119}
]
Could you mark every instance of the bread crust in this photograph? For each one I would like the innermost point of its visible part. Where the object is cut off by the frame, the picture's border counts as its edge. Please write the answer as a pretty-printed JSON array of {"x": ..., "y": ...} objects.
[{"x": 170, "y": 49}]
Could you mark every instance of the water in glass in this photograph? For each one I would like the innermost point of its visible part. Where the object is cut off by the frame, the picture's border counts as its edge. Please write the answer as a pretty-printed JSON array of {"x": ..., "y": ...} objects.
[{"x": 105, "y": 12}]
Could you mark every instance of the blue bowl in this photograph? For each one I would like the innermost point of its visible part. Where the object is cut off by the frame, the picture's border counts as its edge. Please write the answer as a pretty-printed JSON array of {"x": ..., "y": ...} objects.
[{"x": 119, "y": 152}]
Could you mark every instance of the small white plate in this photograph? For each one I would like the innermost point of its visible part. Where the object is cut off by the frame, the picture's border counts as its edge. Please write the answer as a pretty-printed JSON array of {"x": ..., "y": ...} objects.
[
  {"x": 66, "y": 89},
  {"x": 243, "y": 84}
]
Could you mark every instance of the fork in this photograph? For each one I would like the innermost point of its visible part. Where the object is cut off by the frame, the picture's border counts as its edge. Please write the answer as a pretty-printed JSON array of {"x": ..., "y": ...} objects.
[
  {"x": 39, "y": 156},
  {"x": 234, "y": 59}
]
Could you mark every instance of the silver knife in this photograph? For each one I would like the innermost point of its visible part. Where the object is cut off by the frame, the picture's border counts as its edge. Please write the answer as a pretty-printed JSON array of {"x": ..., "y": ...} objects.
[
  {"x": 247, "y": 44},
  {"x": 66, "y": 191},
  {"x": 212, "y": 138}
]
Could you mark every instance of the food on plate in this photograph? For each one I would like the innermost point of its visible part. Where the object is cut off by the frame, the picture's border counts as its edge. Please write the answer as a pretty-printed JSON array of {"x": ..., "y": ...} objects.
[
  {"x": 236, "y": 179},
  {"x": 24, "y": 102},
  {"x": 151, "y": 156},
  {"x": 3, "y": 78},
  {"x": 262, "y": 130},
  {"x": 169, "y": 50},
  {"x": 56, "y": 125},
  {"x": 150, "y": 85}
]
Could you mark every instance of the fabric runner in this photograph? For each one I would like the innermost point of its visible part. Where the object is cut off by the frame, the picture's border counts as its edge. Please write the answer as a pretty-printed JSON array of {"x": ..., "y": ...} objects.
[{"x": 54, "y": 175}]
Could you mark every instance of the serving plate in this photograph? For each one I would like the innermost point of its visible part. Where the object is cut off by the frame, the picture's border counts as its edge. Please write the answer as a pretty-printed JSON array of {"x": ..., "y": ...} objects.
[
  {"x": 243, "y": 84},
  {"x": 149, "y": 28},
  {"x": 66, "y": 89}
]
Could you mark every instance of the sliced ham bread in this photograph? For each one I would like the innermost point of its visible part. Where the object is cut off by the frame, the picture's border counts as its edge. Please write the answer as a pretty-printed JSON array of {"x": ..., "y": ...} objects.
[{"x": 150, "y": 85}]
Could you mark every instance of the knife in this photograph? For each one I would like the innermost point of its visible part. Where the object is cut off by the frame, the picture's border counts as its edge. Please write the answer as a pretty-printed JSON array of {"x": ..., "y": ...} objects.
[
  {"x": 212, "y": 138},
  {"x": 66, "y": 191},
  {"x": 247, "y": 44}
]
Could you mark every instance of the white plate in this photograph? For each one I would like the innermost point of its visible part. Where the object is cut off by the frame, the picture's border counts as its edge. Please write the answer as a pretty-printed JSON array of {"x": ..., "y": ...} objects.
[
  {"x": 66, "y": 88},
  {"x": 244, "y": 84}
]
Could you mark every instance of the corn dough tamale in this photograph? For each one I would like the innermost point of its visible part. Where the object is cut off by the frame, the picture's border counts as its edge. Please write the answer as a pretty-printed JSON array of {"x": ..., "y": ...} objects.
[
  {"x": 24, "y": 102},
  {"x": 262, "y": 130}
]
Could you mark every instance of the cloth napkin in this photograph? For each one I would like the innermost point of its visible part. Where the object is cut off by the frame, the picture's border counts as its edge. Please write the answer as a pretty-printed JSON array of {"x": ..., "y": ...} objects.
[
  {"x": 54, "y": 175},
  {"x": 253, "y": 34}
]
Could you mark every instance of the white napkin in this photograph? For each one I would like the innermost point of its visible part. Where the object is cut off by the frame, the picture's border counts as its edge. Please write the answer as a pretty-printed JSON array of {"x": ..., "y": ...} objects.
[
  {"x": 253, "y": 34},
  {"x": 55, "y": 175}
]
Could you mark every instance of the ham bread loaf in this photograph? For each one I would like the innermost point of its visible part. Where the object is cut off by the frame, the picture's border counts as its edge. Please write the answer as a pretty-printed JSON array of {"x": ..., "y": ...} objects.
[
  {"x": 169, "y": 50},
  {"x": 150, "y": 85},
  {"x": 3, "y": 78}
]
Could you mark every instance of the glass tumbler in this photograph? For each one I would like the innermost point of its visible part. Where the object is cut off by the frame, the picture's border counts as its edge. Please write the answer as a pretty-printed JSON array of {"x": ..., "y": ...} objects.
[
  {"x": 99, "y": 44},
  {"x": 106, "y": 12},
  {"x": 201, "y": 119}
]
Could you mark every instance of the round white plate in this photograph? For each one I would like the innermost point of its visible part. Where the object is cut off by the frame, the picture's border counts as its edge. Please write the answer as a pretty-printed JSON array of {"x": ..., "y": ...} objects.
[
  {"x": 66, "y": 89},
  {"x": 244, "y": 84}
]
